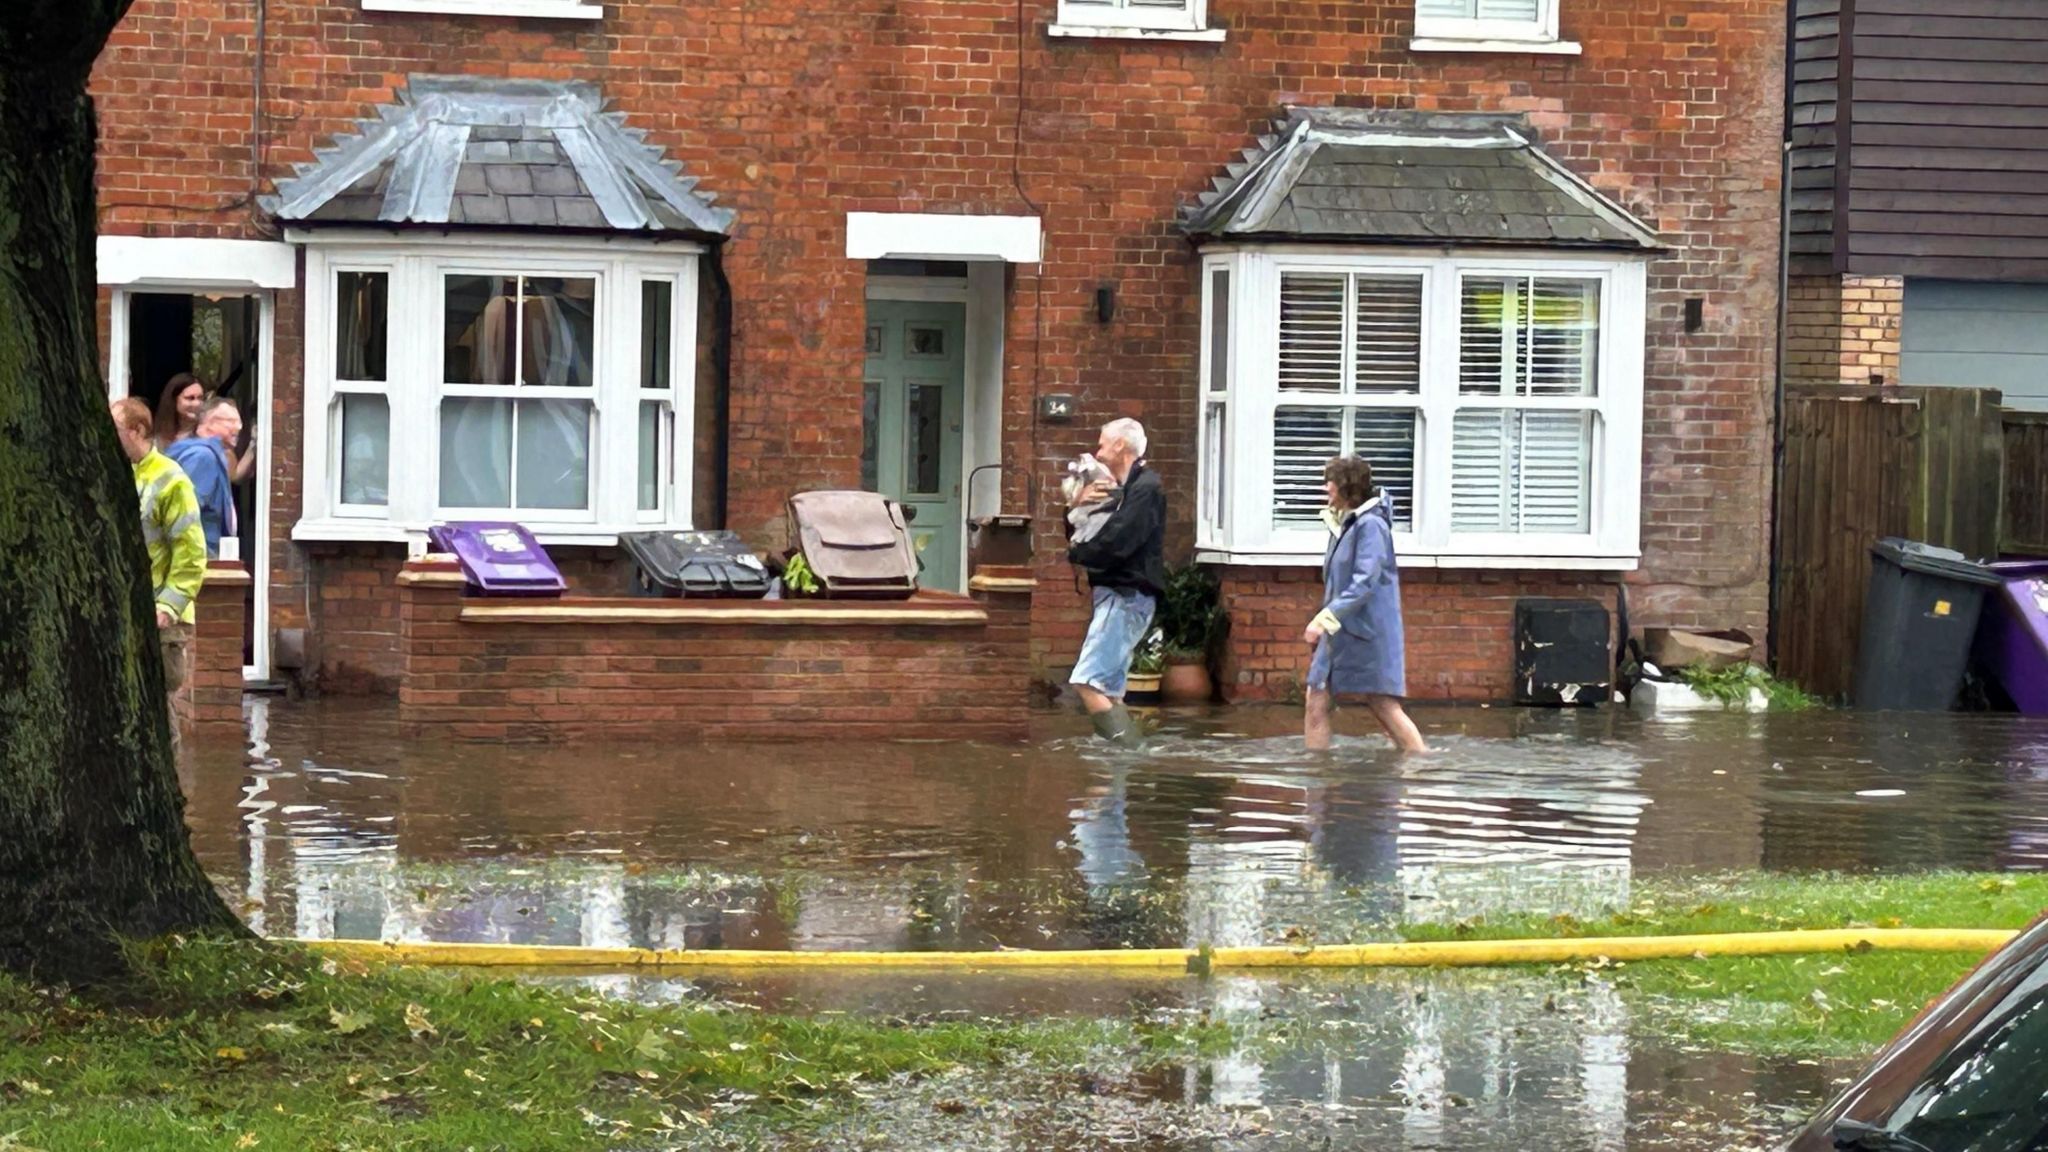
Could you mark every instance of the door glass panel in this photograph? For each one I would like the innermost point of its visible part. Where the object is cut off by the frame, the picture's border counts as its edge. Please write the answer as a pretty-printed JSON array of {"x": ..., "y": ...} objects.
[
  {"x": 874, "y": 340},
  {"x": 554, "y": 453},
  {"x": 365, "y": 449},
  {"x": 871, "y": 435},
  {"x": 476, "y": 452},
  {"x": 924, "y": 424},
  {"x": 927, "y": 341}
]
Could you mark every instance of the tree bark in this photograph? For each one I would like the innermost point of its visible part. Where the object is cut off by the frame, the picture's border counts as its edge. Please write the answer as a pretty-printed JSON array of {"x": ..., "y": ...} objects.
[{"x": 93, "y": 844}]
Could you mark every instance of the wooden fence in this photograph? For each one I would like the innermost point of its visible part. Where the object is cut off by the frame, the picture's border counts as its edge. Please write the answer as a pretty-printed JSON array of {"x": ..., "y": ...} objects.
[{"x": 1861, "y": 464}]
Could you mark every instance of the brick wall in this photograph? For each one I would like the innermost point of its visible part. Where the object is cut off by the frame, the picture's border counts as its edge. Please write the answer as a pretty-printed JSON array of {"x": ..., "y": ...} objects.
[
  {"x": 758, "y": 680},
  {"x": 355, "y": 618},
  {"x": 798, "y": 111},
  {"x": 1843, "y": 329},
  {"x": 1459, "y": 628},
  {"x": 213, "y": 688}
]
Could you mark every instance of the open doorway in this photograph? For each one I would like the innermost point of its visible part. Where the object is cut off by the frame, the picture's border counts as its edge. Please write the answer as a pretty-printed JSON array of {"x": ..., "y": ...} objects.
[{"x": 219, "y": 337}]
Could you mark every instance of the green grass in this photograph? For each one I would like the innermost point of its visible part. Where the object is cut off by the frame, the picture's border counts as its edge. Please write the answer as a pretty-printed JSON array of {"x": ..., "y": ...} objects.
[
  {"x": 234, "y": 1046},
  {"x": 1783, "y": 1005},
  {"x": 1766, "y": 902}
]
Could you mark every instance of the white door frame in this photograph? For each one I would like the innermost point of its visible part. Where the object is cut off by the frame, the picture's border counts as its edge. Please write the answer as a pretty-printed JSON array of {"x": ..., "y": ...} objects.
[
  {"x": 266, "y": 424},
  {"x": 981, "y": 294}
]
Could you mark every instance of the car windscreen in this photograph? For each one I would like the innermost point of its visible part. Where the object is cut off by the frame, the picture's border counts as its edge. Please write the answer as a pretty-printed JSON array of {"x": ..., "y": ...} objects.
[{"x": 1989, "y": 1092}]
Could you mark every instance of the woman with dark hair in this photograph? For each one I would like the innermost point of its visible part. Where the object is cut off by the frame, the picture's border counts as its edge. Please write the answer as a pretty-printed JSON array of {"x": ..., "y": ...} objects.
[
  {"x": 1357, "y": 638},
  {"x": 177, "y": 412}
]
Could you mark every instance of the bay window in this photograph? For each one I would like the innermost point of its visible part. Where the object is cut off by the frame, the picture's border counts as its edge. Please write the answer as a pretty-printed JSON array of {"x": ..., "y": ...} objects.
[
  {"x": 540, "y": 384},
  {"x": 1498, "y": 399}
]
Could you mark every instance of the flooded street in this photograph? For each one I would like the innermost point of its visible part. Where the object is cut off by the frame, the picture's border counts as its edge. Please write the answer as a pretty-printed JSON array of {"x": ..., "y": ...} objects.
[{"x": 1226, "y": 832}]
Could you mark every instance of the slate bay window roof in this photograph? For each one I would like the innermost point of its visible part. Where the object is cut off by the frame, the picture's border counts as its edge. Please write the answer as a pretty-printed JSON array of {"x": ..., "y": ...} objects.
[
  {"x": 493, "y": 153},
  {"x": 1360, "y": 176}
]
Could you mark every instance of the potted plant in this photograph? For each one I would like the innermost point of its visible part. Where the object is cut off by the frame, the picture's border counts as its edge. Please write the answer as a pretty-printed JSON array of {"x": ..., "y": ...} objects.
[
  {"x": 1147, "y": 662},
  {"x": 1190, "y": 622}
]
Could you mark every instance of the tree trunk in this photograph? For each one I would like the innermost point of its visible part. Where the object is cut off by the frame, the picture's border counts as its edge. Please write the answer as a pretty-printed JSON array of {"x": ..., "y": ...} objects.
[{"x": 93, "y": 844}]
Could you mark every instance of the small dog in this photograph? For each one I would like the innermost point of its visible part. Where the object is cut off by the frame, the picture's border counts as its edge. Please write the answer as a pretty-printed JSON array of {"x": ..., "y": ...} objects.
[{"x": 1086, "y": 519}]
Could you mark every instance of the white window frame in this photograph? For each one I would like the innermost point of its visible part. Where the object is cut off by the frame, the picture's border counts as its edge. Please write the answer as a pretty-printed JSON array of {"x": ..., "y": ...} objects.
[
  {"x": 415, "y": 388},
  {"x": 1245, "y": 533},
  {"x": 1473, "y": 34},
  {"x": 520, "y": 9},
  {"x": 1125, "y": 18}
]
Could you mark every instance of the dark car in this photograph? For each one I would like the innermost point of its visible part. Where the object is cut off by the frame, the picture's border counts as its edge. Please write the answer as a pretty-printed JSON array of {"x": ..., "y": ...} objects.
[{"x": 1969, "y": 1074}]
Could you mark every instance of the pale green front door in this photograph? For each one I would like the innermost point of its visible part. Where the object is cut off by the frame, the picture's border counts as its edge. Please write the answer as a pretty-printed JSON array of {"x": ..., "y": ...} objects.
[{"x": 911, "y": 421}]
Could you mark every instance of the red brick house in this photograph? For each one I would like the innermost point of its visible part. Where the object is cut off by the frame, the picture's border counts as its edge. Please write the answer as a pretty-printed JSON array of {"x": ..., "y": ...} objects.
[{"x": 603, "y": 265}]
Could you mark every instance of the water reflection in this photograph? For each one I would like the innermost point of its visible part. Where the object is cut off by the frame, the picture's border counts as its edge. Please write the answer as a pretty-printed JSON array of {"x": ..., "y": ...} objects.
[
  {"x": 329, "y": 823},
  {"x": 1393, "y": 1059}
]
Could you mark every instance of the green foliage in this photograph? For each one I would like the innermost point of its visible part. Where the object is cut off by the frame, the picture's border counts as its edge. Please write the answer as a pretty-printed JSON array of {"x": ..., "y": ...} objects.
[
  {"x": 797, "y": 576},
  {"x": 1732, "y": 686},
  {"x": 1191, "y": 617},
  {"x": 242, "y": 1046},
  {"x": 1149, "y": 657}
]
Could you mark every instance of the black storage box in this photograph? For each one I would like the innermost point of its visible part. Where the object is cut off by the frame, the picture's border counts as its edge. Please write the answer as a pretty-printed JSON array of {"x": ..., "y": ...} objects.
[
  {"x": 696, "y": 564},
  {"x": 1561, "y": 652},
  {"x": 1918, "y": 624}
]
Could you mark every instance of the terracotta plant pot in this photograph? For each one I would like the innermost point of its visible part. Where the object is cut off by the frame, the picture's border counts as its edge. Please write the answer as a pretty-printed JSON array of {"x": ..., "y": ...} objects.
[
  {"x": 1141, "y": 686},
  {"x": 1187, "y": 683}
]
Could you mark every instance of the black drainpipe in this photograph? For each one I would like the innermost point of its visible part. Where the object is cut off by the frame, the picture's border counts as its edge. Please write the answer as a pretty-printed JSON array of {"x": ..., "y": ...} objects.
[
  {"x": 721, "y": 370},
  {"x": 1777, "y": 476}
]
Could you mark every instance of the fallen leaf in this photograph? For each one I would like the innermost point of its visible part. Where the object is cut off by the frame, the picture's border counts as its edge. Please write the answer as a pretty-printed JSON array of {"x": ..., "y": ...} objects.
[
  {"x": 417, "y": 1023},
  {"x": 347, "y": 1023},
  {"x": 652, "y": 1045},
  {"x": 231, "y": 1055},
  {"x": 248, "y": 1140},
  {"x": 282, "y": 1029}
]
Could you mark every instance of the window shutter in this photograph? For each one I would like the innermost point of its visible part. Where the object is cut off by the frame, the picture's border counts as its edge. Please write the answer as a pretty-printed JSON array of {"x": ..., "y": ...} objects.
[
  {"x": 1554, "y": 472},
  {"x": 1157, "y": 5},
  {"x": 1311, "y": 332},
  {"x": 1521, "y": 471},
  {"x": 1485, "y": 307},
  {"x": 1388, "y": 356},
  {"x": 1385, "y": 438},
  {"x": 1561, "y": 336},
  {"x": 1479, "y": 471},
  {"x": 1304, "y": 439}
]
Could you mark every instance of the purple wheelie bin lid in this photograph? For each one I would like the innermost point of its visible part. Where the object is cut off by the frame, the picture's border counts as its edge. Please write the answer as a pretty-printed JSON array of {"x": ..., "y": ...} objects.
[
  {"x": 499, "y": 559},
  {"x": 2012, "y": 641}
]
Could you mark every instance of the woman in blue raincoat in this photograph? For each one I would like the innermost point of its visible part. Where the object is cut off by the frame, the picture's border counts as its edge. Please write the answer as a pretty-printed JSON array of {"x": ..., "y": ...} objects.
[{"x": 1357, "y": 636}]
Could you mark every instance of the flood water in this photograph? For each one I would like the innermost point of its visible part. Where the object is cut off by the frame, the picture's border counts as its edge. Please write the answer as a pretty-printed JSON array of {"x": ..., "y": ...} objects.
[{"x": 329, "y": 823}]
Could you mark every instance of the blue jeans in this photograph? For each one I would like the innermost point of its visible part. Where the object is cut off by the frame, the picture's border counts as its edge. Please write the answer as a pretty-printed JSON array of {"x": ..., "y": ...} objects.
[{"x": 1121, "y": 617}]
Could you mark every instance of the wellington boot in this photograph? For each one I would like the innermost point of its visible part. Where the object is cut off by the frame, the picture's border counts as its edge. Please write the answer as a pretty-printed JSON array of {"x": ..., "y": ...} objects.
[{"x": 1119, "y": 727}]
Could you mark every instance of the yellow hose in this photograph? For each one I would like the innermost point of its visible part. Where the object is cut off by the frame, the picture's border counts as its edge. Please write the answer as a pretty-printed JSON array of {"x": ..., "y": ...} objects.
[{"x": 1439, "y": 954}]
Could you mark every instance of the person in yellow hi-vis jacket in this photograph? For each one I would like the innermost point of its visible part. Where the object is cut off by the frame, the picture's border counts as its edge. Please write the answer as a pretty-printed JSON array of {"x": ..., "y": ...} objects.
[{"x": 171, "y": 527}]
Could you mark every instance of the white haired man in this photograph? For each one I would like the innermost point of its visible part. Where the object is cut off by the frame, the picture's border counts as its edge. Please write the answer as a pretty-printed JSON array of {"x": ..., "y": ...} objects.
[{"x": 1126, "y": 566}]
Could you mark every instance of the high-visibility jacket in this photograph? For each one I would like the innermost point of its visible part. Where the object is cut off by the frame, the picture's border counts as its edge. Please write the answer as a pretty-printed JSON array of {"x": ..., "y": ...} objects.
[{"x": 171, "y": 528}]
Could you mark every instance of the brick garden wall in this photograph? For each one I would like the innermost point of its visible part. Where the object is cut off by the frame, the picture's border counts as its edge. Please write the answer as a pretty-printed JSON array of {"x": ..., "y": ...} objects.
[
  {"x": 1459, "y": 628},
  {"x": 798, "y": 111},
  {"x": 701, "y": 678}
]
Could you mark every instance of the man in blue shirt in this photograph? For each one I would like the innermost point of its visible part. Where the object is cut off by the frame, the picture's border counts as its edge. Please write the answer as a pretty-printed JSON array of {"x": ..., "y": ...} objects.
[{"x": 204, "y": 457}]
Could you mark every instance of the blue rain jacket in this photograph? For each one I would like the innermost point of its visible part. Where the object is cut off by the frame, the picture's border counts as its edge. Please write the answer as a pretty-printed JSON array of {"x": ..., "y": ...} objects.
[{"x": 1366, "y": 655}]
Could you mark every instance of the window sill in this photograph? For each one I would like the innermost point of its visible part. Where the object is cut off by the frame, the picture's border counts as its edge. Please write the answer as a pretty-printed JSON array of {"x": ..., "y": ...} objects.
[
  {"x": 337, "y": 531},
  {"x": 1523, "y": 47},
  {"x": 1092, "y": 32},
  {"x": 1445, "y": 561},
  {"x": 541, "y": 9}
]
